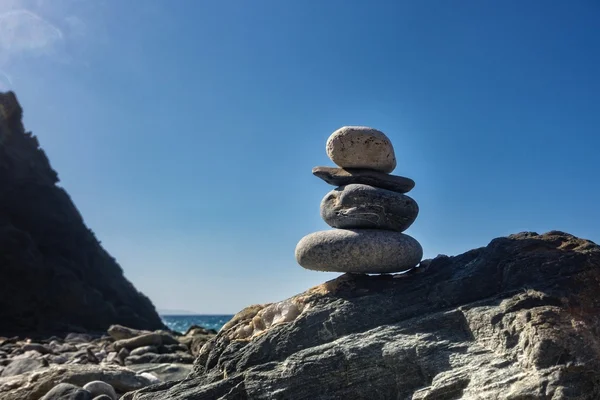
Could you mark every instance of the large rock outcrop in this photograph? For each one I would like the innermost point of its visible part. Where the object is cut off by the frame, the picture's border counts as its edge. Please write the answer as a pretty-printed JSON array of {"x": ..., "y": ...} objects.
[
  {"x": 518, "y": 319},
  {"x": 54, "y": 275}
]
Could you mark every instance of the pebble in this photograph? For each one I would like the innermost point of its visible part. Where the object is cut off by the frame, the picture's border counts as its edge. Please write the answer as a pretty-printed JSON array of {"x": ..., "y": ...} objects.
[
  {"x": 361, "y": 147},
  {"x": 341, "y": 177},
  {"x": 144, "y": 349},
  {"x": 359, "y": 206},
  {"x": 358, "y": 251},
  {"x": 66, "y": 391},
  {"x": 152, "y": 378},
  {"x": 112, "y": 357},
  {"x": 102, "y": 397},
  {"x": 97, "y": 388}
]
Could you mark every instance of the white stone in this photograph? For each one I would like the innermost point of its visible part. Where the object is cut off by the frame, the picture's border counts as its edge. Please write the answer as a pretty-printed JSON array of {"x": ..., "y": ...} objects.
[{"x": 361, "y": 147}]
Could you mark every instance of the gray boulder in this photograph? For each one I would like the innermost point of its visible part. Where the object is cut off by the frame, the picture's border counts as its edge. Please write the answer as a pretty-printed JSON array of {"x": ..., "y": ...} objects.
[{"x": 517, "y": 319}]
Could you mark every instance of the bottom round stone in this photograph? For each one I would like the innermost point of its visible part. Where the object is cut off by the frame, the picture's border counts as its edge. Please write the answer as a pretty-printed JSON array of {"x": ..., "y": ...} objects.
[{"x": 370, "y": 251}]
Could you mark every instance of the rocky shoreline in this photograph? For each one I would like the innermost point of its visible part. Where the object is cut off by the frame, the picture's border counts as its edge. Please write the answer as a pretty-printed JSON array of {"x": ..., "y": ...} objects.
[
  {"x": 85, "y": 366},
  {"x": 517, "y": 319}
]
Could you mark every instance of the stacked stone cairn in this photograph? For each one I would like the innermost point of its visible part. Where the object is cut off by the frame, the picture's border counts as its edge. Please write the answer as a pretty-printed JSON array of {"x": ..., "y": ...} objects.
[{"x": 368, "y": 208}]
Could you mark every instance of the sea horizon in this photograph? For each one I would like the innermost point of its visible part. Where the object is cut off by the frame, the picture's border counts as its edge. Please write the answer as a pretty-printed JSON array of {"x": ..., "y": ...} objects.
[{"x": 182, "y": 322}]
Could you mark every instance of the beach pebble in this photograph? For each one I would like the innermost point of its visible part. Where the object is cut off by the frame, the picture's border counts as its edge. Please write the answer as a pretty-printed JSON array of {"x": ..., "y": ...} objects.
[
  {"x": 359, "y": 206},
  {"x": 144, "y": 349},
  {"x": 361, "y": 147},
  {"x": 112, "y": 358},
  {"x": 359, "y": 251},
  {"x": 102, "y": 397},
  {"x": 66, "y": 391},
  {"x": 97, "y": 388},
  {"x": 150, "y": 377}
]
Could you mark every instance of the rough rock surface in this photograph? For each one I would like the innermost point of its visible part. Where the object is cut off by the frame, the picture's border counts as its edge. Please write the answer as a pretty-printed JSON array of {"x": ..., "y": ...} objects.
[
  {"x": 341, "y": 177},
  {"x": 359, "y": 206},
  {"x": 56, "y": 277},
  {"x": 518, "y": 319},
  {"x": 359, "y": 251},
  {"x": 361, "y": 147}
]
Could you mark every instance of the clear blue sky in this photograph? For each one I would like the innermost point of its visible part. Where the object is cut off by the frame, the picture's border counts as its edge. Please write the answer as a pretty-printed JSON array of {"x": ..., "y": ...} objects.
[{"x": 185, "y": 131}]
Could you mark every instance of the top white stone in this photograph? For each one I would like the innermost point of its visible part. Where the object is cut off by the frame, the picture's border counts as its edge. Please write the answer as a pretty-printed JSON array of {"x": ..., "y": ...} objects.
[{"x": 361, "y": 147}]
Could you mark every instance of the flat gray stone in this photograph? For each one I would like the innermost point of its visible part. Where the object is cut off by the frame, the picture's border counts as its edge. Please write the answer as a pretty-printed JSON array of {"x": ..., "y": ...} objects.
[
  {"x": 144, "y": 349},
  {"x": 164, "y": 372},
  {"x": 361, "y": 147},
  {"x": 359, "y": 251},
  {"x": 341, "y": 177},
  {"x": 359, "y": 206},
  {"x": 23, "y": 365},
  {"x": 179, "y": 357},
  {"x": 148, "y": 339},
  {"x": 119, "y": 332}
]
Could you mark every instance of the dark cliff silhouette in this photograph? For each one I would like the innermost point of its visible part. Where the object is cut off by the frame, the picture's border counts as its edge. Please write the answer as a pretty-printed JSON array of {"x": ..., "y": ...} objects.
[{"x": 54, "y": 274}]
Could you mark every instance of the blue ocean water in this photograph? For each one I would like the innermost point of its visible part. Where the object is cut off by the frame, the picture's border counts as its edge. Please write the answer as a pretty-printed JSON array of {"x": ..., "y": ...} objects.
[{"x": 181, "y": 323}]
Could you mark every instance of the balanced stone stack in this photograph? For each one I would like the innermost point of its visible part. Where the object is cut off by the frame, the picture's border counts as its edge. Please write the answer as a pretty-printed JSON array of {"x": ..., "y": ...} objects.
[{"x": 368, "y": 207}]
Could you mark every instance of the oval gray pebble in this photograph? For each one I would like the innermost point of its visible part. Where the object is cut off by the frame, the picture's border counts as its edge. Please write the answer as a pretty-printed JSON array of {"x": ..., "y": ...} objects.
[
  {"x": 359, "y": 206},
  {"x": 359, "y": 251},
  {"x": 97, "y": 388},
  {"x": 67, "y": 391}
]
